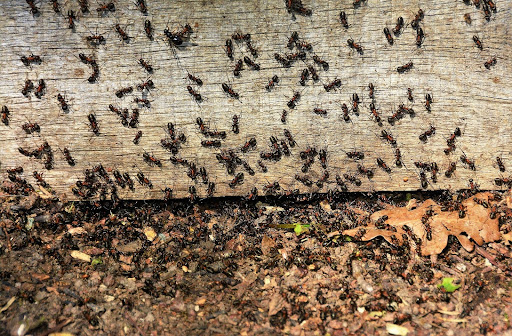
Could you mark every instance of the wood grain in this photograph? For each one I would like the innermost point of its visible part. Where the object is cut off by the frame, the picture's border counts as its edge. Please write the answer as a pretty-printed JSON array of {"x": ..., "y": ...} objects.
[{"x": 448, "y": 66}]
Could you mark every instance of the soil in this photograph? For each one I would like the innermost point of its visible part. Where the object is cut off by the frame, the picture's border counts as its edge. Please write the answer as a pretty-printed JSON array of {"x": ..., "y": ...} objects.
[{"x": 237, "y": 267}]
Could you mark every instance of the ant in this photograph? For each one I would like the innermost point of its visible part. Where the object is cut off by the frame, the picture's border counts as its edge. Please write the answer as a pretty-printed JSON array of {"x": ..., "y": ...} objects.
[
  {"x": 192, "y": 171},
  {"x": 405, "y": 67},
  {"x": 355, "y": 103},
  {"x": 148, "y": 85},
  {"x": 319, "y": 111},
  {"x": 292, "y": 40},
  {"x": 40, "y": 89},
  {"x": 321, "y": 62},
  {"x": 314, "y": 74},
  {"x": 355, "y": 155},
  {"x": 142, "y": 101},
  {"x": 95, "y": 73},
  {"x": 399, "y": 25},
  {"x": 304, "y": 180},
  {"x": 304, "y": 77},
  {"x": 211, "y": 143},
  {"x": 30, "y": 128},
  {"x": 371, "y": 92},
  {"x": 388, "y": 137},
  {"x": 417, "y": 19},
  {"x": 467, "y": 18},
  {"x": 352, "y": 179},
  {"x": 272, "y": 187},
  {"x": 148, "y": 29},
  {"x": 365, "y": 171},
  {"x": 284, "y": 62},
  {"x": 229, "y": 49},
  {"x": 29, "y": 86},
  {"x": 146, "y": 65},
  {"x": 128, "y": 181},
  {"x": 32, "y": 59},
  {"x": 272, "y": 82},
  {"x": 286, "y": 150},
  {"x": 333, "y": 84},
  {"x": 252, "y": 50},
  {"x": 490, "y": 63},
  {"x": 86, "y": 59},
  {"x": 55, "y": 6},
  {"x": 420, "y": 36},
  {"x": 63, "y": 103},
  {"x": 343, "y": 19},
  {"x": 451, "y": 169},
  {"x": 423, "y": 180},
  {"x": 124, "y": 91},
  {"x": 248, "y": 168},
  {"x": 93, "y": 124},
  {"x": 137, "y": 137},
  {"x": 383, "y": 165},
  {"x": 431, "y": 131},
  {"x": 477, "y": 42},
  {"x": 241, "y": 37},
  {"x": 71, "y": 19},
  {"x": 193, "y": 93},
  {"x": 434, "y": 171},
  {"x": 211, "y": 189},
  {"x": 141, "y": 4},
  {"x": 33, "y": 9},
  {"x": 235, "y": 126},
  {"x": 284, "y": 114},
  {"x": 355, "y": 46},
  {"x": 344, "y": 108},
  {"x": 84, "y": 6},
  {"x": 262, "y": 166},
  {"x": 464, "y": 159},
  {"x": 134, "y": 119},
  {"x": 40, "y": 179},
  {"x": 409, "y": 94},
  {"x": 195, "y": 79},
  {"x": 238, "y": 67},
  {"x": 238, "y": 179},
  {"x": 105, "y": 8},
  {"x": 251, "y": 63},
  {"x": 375, "y": 113},
  {"x": 289, "y": 136},
  {"x": 253, "y": 194},
  {"x": 144, "y": 181},
  {"x": 68, "y": 157},
  {"x": 293, "y": 101},
  {"x": 5, "y": 115},
  {"x": 501, "y": 166},
  {"x": 388, "y": 35},
  {"x": 322, "y": 154},
  {"x": 122, "y": 33},
  {"x": 230, "y": 91},
  {"x": 95, "y": 40}
]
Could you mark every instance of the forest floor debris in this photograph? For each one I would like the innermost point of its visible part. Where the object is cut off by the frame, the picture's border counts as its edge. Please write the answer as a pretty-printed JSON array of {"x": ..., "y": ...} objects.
[{"x": 273, "y": 266}]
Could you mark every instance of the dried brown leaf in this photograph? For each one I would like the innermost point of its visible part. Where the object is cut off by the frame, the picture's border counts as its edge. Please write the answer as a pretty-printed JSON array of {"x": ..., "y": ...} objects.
[{"x": 476, "y": 227}]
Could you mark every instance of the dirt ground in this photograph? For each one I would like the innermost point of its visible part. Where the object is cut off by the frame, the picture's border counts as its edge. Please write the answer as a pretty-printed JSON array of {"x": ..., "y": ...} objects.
[{"x": 236, "y": 267}]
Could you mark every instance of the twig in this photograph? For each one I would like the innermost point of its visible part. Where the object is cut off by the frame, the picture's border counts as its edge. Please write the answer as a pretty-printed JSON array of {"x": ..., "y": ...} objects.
[{"x": 58, "y": 327}]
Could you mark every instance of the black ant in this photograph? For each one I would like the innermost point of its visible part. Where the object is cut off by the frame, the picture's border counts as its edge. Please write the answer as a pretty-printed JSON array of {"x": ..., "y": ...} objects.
[
  {"x": 105, "y": 8},
  {"x": 137, "y": 137},
  {"x": 272, "y": 82},
  {"x": 148, "y": 85},
  {"x": 490, "y": 63},
  {"x": 55, "y": 6},
  {"x": 284, "y": 114},
  {"x": 5, "y": 115},
  {"x": 40, "y": 90},
  {"x": 388, "y": 35},
  {"x": 238, "y": 67},
  {"x": 477, "y": 42},
  {"x": 293, "y": 101},
  {"x": 284, "y": 62},
  {"x": 355, "y": 46},
  {"x": 141, "y": 5},
  {"x": 235, "y": 126},
  {"x": 304, "y": 77},
  {"x": 145, "y": 65},
  {"x": 229, "y": 48},
  {"x": 321, "y": 62},
  {"x": 388, "y": 137},
  {"x": 405, "y": 67},
  {"x": 144, "y": 181},
  {"x": 409, "y": 94},
  {"x": 251, "y": 63},
  {"x": 31, "y": 59},
  {"x": 428, "y": 133},
  {"x": 383, "y": 165},
  {"x": 142, "y": 101},
  {"x": 148, "y": 29},
  {"x": 68, "y": 157},
  {"x": 193, "y": 93},
  {"x": 352, "y": 179},
  {"x": 288, "y": 136},
  {"x": 344, "y": 109},
  {"x": 415, "y": 22},
  {"x": 122, "y": 33},
  {"x": 230, "y": 91},
  {"x": 197, "y": 80},
  {"x": 29, "y": 86},
  {"x": 93, "y": 124},
  {"x": 63, "y": 103},
  {"x": 501, "y": 166},
  {"x": 451, "y": 169},
  {"x": 420, "y": 36},
  {"x": 336, "y": 83},
  {"x": 124, "y": 91},
  {"x": 399, "y": 25},
  {"x": 238, "y": 179},
  {"x": 343, "y": 19},
  {"x": 71, "y": 19}
]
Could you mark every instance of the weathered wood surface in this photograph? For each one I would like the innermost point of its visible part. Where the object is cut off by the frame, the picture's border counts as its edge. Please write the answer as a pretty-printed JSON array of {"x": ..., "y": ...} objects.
[{"x": 448, "y": 66}]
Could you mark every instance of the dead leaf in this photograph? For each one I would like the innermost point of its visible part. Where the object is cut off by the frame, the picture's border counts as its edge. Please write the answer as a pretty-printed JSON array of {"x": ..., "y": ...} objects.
[
  {"x": 476, "y": 226},
  {"x": 276, "y": 304}
]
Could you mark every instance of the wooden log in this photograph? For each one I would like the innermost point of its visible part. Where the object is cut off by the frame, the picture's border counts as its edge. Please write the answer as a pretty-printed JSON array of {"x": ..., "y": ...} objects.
[{"x": 448, "y": 66}]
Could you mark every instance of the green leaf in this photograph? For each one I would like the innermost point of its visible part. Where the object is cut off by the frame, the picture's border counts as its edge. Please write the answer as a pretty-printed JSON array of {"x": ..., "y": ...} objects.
[
  {"x": 96, "y": 261},
  {"x": 301, "y": 228},
  {"x": 448, "y": 285}
]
